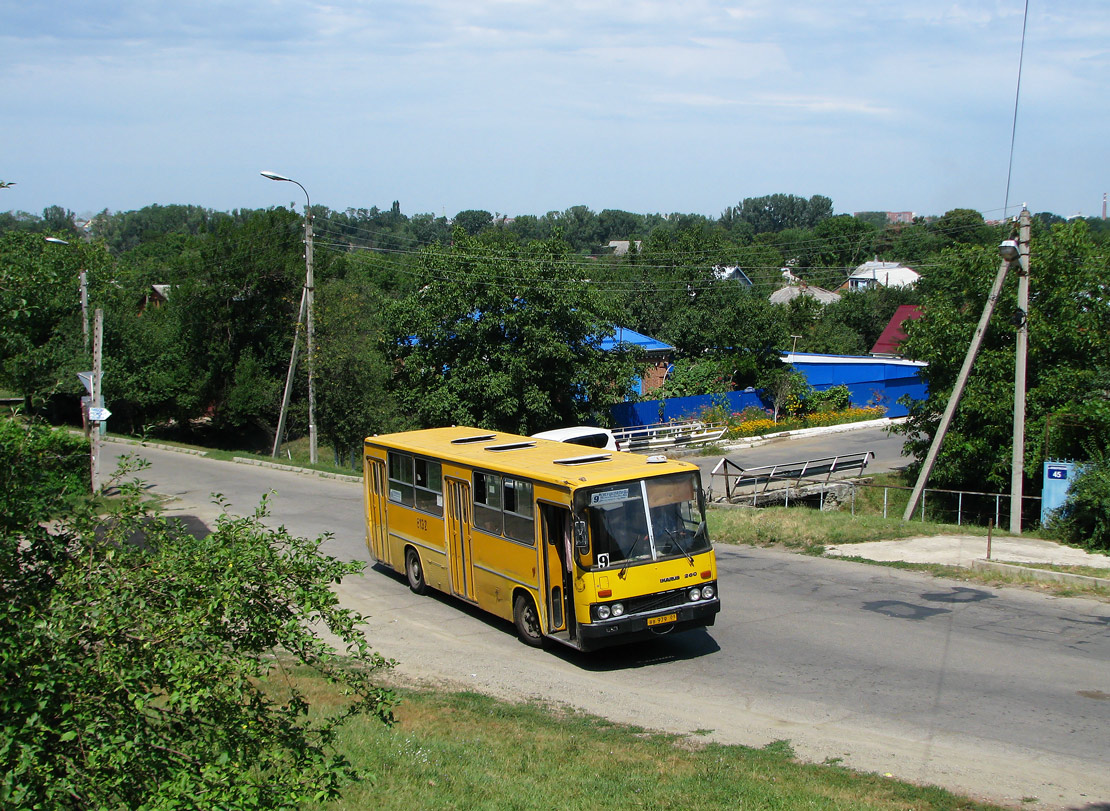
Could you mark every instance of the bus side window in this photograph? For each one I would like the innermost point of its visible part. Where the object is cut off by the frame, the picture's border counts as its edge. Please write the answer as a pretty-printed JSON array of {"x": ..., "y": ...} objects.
[
  {"x": 487, "y": 502},
  {"x": 400, "y": 478},
  {"x": 429, "y": 486},
  {"x": 520, "y": 524}
]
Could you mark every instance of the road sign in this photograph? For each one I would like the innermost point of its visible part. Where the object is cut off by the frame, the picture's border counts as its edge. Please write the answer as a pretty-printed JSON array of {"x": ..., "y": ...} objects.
[
  {"x": 86, "y": 380},
  {"x": 99, "y": 414}
]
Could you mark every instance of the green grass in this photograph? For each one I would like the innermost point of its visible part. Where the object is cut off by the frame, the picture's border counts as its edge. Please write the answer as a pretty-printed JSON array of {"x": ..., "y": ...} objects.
[
  {"x": 465, "y": 750},
  {"x": 811, "y": 530}
]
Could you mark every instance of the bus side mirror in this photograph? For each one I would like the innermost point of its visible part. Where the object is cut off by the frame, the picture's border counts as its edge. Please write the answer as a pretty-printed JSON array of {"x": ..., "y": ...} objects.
[{"x": 581, "y": 539}]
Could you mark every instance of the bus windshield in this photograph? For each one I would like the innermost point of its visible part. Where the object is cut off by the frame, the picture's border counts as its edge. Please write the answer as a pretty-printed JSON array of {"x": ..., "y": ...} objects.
[{"x": 645, "y": 520}]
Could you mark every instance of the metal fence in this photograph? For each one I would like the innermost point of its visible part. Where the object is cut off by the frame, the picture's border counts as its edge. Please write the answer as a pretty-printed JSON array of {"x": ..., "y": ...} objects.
[
  {"x": 766, "y": 487},
  {"x": 665, "y": 435}
]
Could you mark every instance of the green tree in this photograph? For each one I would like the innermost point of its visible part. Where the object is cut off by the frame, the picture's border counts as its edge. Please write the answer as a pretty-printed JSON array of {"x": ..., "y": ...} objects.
[
  {"x": 41, "y": 345},
  {"x": 1069, "y": 325},
  {"x": 777, "y": 212},
  {"x": 473, "y": 221},
  {"x": 353, "y": 399},
  {"x": 144, "y": 667},
  {"x": 237, "y": 315},
  {"x": 506, "y": 341}
]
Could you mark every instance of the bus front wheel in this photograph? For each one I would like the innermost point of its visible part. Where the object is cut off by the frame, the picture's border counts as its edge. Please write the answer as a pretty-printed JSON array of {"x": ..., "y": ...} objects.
[
  {"x": 527, "y": 621},
  {"x": 415, "y": 572}
]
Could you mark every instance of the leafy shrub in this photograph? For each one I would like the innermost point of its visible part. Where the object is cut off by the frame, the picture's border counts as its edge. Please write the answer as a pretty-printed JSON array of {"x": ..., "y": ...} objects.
[
  {"x": 142, "y": 667},
  {"x": 1085, "y": 517},
  {"x": 834, "y": 398},
  {"x": 44, "y": 469}
]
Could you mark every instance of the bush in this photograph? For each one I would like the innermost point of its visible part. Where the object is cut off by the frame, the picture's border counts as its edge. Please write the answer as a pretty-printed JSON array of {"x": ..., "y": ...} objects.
[
  {"x": 43, "y": 469},
  {"x": 1085, "y": 517},
  {"x": 143, "y": 667}
]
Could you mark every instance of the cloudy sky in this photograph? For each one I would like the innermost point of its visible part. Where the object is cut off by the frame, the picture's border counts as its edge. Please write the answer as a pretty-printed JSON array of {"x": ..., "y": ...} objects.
[{"x": 527, "y": 106}]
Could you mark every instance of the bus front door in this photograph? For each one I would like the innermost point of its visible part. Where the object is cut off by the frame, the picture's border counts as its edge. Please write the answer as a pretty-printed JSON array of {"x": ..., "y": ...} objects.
[
  {"x": 458, "y": 538},
  {"x": 557, "y": 548},
  {"x": 375, "y": 510}
]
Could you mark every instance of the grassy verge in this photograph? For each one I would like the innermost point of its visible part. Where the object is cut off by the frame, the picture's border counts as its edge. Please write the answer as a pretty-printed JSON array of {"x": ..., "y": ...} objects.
[
  {"x": 464, "y": 750},
  {"x": 810, "y": 530}
]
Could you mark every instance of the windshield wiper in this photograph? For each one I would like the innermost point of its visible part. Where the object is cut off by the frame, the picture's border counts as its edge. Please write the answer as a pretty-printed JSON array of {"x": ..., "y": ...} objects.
[{"x": 676, "y": 539}]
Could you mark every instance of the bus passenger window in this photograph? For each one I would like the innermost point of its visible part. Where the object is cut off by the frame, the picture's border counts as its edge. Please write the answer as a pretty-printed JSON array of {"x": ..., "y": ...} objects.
[
  {"x": 519, "y": 523},
  {"x": 400, "y": 478},
  {"x": 487, "y": 502},
  {"x": 429, "y": 486}
]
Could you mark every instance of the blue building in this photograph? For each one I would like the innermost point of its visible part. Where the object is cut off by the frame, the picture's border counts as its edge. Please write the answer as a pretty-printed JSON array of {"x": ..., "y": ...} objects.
[{"x": 872, "y": 381}]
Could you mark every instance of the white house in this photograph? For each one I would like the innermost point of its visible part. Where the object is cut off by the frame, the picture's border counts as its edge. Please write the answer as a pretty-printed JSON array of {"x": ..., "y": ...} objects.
[{"x": 884, "y": 274}]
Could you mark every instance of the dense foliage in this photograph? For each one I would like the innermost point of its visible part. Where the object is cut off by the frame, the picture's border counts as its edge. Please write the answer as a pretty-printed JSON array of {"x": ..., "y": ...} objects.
[
  {"x": 1069, "y": 341},
  {"x": 142, "y": 665},
  {"x": 497, "y": 320}
]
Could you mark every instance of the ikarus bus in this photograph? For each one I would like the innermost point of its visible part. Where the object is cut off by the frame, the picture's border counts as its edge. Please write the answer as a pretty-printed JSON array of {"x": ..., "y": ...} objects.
[{"x": 585, "y": 549}]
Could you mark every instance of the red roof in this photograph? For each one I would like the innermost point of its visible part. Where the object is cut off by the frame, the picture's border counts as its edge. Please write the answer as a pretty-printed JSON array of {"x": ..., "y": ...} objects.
[{"x": 894, "y": 335}]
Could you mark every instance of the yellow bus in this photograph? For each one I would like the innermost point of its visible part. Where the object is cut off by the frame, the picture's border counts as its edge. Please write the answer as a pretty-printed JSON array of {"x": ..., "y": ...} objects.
[{"x": 584, "y": 547}]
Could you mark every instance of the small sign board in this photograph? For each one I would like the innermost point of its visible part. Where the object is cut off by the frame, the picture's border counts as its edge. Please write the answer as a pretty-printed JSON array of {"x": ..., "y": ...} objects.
[{"x": 99, "y": 414}]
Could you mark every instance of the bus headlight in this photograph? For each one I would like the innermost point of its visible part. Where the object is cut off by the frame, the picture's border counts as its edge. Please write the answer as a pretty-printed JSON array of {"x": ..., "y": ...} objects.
[
  {"x": 603, "y": 612},
  {"x": 708, "y": 592},
  {"x": 694, "y": 594},
  {"x": 618, "y": 609}
]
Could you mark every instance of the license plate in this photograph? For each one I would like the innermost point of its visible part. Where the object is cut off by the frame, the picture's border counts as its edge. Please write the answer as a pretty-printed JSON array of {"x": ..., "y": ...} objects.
[{"x": 663, "y": 620}]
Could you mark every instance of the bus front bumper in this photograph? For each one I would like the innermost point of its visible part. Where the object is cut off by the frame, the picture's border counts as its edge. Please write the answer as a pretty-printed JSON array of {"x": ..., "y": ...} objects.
[{"x": 636, "y": 628}]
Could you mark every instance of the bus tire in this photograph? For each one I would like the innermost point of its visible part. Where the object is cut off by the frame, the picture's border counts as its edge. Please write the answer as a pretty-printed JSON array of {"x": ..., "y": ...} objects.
[
  {"x": 527, "y": 620},
  {"x": 414, "y": 571}
]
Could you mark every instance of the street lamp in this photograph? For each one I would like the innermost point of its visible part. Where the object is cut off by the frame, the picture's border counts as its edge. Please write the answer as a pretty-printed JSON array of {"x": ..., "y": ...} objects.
[
  {"x": 84, "y": 297},
  {"x": 307, "y": 298}
]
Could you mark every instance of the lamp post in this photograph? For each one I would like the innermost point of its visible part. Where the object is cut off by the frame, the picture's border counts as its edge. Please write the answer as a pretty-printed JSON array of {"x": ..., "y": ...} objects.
[
  {"x": 84, "y": 297},
  {"x": 307, "y": 299}
]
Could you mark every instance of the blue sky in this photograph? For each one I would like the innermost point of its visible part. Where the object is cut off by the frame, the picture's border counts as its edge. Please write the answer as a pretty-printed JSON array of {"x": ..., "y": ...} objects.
[{"x": 523, "y": 106}]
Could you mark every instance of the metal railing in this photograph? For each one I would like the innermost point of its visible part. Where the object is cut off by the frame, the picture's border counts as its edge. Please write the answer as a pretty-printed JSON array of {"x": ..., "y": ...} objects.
[
  {"x": 756, "y": 487},
  {"x": 760, "y": 479},
  {"x": 668, "y": 435}
]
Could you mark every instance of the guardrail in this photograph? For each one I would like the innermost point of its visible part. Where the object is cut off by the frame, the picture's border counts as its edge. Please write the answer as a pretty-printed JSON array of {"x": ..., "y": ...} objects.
[
  {"x": 668, "y": 435},
  {"x": 737, "y": 478}
]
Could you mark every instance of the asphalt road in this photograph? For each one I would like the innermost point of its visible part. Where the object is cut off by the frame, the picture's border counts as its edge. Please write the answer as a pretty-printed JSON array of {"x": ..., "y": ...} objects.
[{"x": 1003, "y": 694}]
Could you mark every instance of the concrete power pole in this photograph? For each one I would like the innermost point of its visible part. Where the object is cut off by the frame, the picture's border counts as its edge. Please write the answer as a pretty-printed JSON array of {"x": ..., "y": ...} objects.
[
  {"x": 97, "y": 401},
  {"x": 1017, "y": 471}
]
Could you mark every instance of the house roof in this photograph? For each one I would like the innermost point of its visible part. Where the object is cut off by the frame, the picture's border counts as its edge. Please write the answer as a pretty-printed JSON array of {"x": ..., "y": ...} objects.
[
  {"x": 888, "y": 274},
  {"x": 785, "y": 295},
  {"x": 626, "y": 336},
  {"x": 894, "y": 333},
  {"x": 733, "y": 272}
]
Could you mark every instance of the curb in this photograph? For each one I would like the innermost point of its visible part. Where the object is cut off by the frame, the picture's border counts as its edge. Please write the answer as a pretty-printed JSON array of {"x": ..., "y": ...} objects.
[
  {"x": 127, "y": 441},
  {"x": 1040, "y": 574},
  {"x": 304, "y": 471}
]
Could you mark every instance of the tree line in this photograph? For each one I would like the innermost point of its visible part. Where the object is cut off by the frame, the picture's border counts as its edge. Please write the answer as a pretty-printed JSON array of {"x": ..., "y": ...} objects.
[{"x": 501, "y": 321}]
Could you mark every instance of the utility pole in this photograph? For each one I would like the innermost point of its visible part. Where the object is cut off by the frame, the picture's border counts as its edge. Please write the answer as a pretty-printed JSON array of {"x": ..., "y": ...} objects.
[
  {"x": 958, "y": 390},
  {"x": 98, "y": 343},
  {"x": 308, "y": 297},
  {"x": 1017, "y": 470}
]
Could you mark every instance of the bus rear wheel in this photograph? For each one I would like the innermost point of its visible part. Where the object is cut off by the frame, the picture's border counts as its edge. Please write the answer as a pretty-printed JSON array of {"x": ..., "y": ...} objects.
[
  {"x": 527, "y": 621},
  {"x": 415, "y": 572}
]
